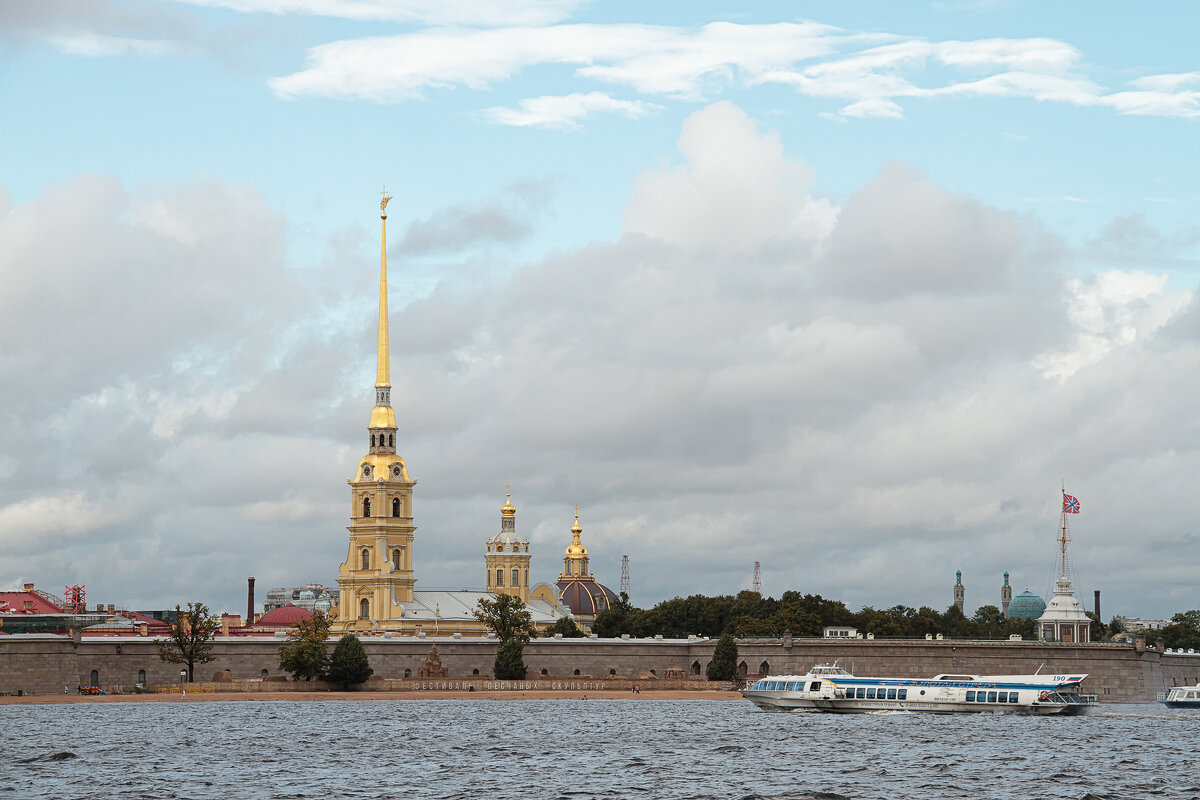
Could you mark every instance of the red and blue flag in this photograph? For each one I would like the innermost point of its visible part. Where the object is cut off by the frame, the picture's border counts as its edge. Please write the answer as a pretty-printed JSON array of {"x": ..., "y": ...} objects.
[{"x": 1070, "y": 504}]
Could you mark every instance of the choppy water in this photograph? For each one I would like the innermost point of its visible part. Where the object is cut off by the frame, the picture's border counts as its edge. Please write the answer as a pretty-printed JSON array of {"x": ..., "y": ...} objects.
[{"x": 585, "y": 749}]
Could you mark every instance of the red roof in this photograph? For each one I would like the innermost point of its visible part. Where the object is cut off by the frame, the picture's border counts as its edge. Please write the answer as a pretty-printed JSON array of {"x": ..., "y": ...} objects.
[
  {"x": 26, "y": 603},
  {"x": 283, "y": 617}
]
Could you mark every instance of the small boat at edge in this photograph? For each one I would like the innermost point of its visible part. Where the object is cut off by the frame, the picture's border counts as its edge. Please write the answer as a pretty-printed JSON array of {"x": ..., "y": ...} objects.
[{"x": 1181, "y": 697}]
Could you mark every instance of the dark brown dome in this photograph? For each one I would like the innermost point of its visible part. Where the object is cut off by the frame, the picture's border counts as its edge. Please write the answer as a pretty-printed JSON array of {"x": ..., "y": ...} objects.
[{"x": 585, "y": 597}]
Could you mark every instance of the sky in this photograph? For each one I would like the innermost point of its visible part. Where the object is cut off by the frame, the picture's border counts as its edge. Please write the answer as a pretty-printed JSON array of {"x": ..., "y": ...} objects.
[{"x": 849, "y": 290}]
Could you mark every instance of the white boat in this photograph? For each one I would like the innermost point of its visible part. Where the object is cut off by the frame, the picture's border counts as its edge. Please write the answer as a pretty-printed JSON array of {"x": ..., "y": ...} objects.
[
  {"x": 793, "y": 692},
  {"x": 1181, "y": 697},
  {"x": 942, "y": 694}
]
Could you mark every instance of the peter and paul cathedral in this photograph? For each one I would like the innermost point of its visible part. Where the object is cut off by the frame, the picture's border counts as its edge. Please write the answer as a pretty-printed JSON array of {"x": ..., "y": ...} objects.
[{"x": 377, "y": 585}]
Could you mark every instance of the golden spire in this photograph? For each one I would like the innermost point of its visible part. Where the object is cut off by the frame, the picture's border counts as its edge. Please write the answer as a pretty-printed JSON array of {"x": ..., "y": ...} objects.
[
  {"x": 382, "y": 366},
  {"x": 508, "y": 509}
]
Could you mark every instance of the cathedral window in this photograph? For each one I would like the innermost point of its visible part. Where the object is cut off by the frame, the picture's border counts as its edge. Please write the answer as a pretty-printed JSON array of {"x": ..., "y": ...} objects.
[
  {"x": 366, "y": 506},
  {"x": 364, "y": 609},
  {"x": 372, "y": 440},
  {"x": 395, "y": 506},
  {"x": 499, "y": 577},
  {"x": 516, "y": 577},
  {"x": 366, "y": 558},
  {"x": 396, "y": 558}
]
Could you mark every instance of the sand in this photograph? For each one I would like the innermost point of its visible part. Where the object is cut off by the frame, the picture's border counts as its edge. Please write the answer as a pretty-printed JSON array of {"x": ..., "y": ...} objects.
[{"x": 267, "y": 697}]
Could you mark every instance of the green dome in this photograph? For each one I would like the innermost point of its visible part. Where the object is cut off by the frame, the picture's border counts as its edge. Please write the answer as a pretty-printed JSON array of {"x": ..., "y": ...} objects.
[{"x": 1026, "y": 605}]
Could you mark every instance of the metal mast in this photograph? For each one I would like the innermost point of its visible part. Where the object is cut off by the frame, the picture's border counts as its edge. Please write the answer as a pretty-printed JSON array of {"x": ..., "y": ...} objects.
[
  {"x": 756, "y": 585},
  {"x": 625, "y": 574}
]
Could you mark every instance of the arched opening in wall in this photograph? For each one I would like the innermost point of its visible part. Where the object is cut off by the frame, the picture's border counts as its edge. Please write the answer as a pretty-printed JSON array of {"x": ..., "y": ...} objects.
[
  {"x": 94, "y": 678},
  {"x": 366, "y": 558},
  {"x": 576, "y": 672},
  {"x": 391, "y": 440},
  {"x": 695, "y": 667},
  {"x": 396, "y": 558},
  {"x": 264, "y": 673},
  {"x": 372, "y": 440},
  {"x": 743, "y": 669},
  {"x": 408, "y": 673},
  {"x": 474, "y": 672},
  {"x": 229, "y": 673},
  {"x": 764, "y": 668},
  {"x": 545, "y": 671},
  {"x": 364, "y": 609},
  {"x": 612, "y": 672},
  {"x": 366, "y": 506},
  {"x": 395, "y": 506},
  {"x": 655, "y": 674},
  {"x": 141, "y": 677}
]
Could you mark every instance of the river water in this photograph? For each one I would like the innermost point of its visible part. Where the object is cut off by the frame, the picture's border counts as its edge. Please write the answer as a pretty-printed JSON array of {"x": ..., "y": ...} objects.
[{"x": 580, "y": 749}]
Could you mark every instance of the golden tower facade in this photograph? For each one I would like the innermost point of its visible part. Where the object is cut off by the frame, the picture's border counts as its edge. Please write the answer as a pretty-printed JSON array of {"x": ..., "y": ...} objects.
[
  {"x": 575, "y": 558},
  {"x": 377, "y": 577},
  {"x": 506, "y": 562}
]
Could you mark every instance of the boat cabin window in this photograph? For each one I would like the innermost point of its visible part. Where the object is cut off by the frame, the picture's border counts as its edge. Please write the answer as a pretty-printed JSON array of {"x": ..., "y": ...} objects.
[
  {"x": 1012, "y": 697},
  {"x": 991, "y": 697},
  {"x": 861, "y": 693},
  {"x": 1003, "y": 697},
  {"x": 870, "y": 694},
  {"x": 891, "y": 694},
  {"x": 815, "y": 686},
  {"x": 970, "y": 697}
]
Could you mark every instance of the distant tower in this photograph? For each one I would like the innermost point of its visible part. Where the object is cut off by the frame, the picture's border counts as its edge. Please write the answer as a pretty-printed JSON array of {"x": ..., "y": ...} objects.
[
  {"x": 756, "y": 586},
  {"x": 1005, "y": 595},
  {"x": 625, "y": 574},
  {"x": 506, "y": 563},
  {"x": 960, "y": 594}
]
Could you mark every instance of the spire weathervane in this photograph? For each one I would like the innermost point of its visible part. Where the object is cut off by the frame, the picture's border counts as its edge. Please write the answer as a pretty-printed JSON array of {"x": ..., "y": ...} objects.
[{"x": 383, "y": 203}]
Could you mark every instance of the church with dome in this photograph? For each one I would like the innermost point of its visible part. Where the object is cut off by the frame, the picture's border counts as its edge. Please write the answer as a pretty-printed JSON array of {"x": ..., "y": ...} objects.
[
  {"x": 377, "y": 583},
  {"x": 576, "y": 588}
]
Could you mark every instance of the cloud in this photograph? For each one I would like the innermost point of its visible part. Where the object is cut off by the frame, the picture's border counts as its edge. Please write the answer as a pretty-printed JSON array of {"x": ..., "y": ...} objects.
[
  {"x": 872, "y": 73},
  {"x": 737, "y": 190},
  {"x": 432, "y": 12},
  {"x": 505, "y": 220},
  {"x": 903, "y": 380},
  {"x": 100, "y": 28},
  {"x": 564, "y": 112}
]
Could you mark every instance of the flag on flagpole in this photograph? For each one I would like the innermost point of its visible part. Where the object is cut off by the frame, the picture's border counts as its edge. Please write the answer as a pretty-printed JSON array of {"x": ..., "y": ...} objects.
[{"x": 1070, "y": 504}]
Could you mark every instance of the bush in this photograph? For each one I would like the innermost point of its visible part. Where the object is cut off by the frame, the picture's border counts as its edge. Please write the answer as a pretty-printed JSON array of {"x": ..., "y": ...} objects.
[
  {"x": 510, "y": 660},
  {"x": 723, "y": 666},
  {"x": 349, "y": 664}
]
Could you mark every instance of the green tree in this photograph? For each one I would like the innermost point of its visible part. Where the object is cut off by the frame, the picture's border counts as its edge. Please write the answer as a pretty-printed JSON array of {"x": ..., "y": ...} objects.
[
  {"x": 305, "y": 654},
  {"x": 190, "y": 641},
  {"x": 990, "y": 620},
  {"x": 614, "y": 621},
  {"x": 723, "y": 666},
  {"x": 566, "y": 626},
  {"x": 510, "y": 660},
  {"x": 1184, "y": 631},
  {"x": 349, "y": 663},
  {"x": 507, "y": 617}
]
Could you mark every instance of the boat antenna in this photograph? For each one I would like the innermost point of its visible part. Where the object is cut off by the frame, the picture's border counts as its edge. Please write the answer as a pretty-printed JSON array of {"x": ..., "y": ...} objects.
[{"x": 1039, "y": 669}]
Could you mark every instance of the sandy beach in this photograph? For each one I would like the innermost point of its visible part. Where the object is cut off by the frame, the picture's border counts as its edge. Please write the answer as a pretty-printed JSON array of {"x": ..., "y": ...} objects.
[{"x": 267, "y": 697}]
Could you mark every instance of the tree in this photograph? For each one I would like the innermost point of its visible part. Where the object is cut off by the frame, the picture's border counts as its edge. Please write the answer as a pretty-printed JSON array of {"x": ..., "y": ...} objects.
[
  {"x": 990, "y": 620},
  {"x": 349, "y": 663},
  {"x": 723, "y": 666},
  {"x": 190, "y": 641},
  {"x": 305, "y": 654},
  {"x": 507, "y": 617},
  {"x": 614, "y": 620},
  {"x": 566, "y": 626},
  {"x": 510, "y": 660},
  {"x": 1184, "y": 630}
]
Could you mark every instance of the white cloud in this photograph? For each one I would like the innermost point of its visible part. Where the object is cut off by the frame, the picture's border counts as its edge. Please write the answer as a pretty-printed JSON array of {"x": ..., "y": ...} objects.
[
  {"x": 737, "y": 190},
  {"x": 565, "y": 111},
  {"x": 433, "y": 12},
  {"x": 93, "y": 44},
  {"x": 870, "y": 71}
]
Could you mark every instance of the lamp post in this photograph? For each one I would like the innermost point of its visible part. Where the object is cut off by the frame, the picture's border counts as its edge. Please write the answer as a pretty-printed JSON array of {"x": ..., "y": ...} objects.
[{"x": 182, "y": 676}]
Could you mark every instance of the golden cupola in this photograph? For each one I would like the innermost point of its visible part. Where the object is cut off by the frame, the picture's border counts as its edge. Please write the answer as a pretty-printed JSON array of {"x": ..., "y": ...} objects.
[{"x": 575, "y": 559}]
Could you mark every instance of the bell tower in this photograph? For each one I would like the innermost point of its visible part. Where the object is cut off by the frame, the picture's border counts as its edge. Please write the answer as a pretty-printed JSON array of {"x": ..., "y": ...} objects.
[
  {"x": 506, "y": 562},
  {"x": 377, "y": 577}
]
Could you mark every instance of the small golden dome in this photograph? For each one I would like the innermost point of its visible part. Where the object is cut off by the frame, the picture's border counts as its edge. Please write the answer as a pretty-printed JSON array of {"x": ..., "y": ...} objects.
[
  {"x": 508, "y": 509},
  {"x": 575, "y": 548}
]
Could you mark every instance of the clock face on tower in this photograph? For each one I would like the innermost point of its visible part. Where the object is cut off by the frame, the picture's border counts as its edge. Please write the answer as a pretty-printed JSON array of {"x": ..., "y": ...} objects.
[
  {"x": 366, "y": 471},
  {"x": 396, "y": 472}
]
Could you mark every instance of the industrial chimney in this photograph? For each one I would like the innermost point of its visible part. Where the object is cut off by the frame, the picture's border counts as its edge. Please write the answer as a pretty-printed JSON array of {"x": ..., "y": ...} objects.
[
  {"x": 250, "y": 601},
  {"x": 1098, "y": 604}
]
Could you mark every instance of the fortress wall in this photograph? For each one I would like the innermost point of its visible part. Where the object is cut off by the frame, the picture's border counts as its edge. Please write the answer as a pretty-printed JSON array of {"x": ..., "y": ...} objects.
[{"x": 1117, "y": 673}]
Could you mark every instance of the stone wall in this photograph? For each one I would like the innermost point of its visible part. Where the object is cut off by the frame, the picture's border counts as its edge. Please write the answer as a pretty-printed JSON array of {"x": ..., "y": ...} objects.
[{"x": 43, "y": 664}]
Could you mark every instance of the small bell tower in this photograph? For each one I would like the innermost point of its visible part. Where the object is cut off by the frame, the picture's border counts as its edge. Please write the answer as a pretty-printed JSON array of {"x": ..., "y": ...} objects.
[{"x": 506, "y": 561}]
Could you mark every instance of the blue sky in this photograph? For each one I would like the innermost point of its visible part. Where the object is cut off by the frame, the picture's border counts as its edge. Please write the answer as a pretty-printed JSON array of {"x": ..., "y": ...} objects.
[{"x": 912, "y": 246}]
